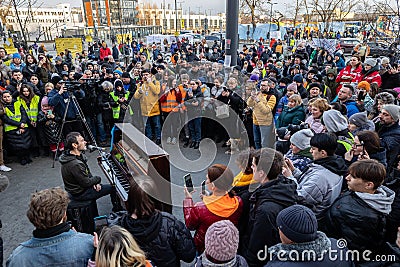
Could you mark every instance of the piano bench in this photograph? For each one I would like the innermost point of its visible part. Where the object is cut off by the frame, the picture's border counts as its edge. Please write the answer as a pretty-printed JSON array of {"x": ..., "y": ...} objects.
[{"x": 81, "y": 214}]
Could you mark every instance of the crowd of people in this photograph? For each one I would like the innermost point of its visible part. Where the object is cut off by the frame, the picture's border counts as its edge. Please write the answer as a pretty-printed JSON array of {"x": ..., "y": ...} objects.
[{"x": 317, "y": 136}]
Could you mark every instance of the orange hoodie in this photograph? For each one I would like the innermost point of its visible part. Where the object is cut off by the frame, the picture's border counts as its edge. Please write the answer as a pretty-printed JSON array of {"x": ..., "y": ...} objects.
[{"x": 223, "y": 206}]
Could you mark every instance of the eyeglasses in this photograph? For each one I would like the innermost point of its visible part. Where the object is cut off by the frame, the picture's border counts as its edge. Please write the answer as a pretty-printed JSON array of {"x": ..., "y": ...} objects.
[
  {"x": 192, "y": 83},
  {"x": 358, "y": 145}
]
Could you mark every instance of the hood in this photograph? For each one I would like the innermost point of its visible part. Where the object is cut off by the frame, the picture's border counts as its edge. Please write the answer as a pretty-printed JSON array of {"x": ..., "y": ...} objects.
[
  {"x": 335, "y": 164},
  {"x": 143, "y": 230},
  {"x": 281, "y": 191},
  {"x": 380, "y": 201},
  {"x": 223, "y": 206},
  {"x": 331, "y": 71},
  {"x": 67, "y": 157},
  {"x": 380, "y": 156},
  {"x": 319, "y": 246},
  {"x": 373, "y": 69},
  {"x": 334, "y": 121}
]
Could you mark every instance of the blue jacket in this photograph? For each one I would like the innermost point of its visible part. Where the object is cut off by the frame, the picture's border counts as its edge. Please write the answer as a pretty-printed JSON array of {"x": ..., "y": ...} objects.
[
  {"x": 340, "y": 64},
  {"x": 59, "y": 103},
  {"x": 70, "y": 249}
]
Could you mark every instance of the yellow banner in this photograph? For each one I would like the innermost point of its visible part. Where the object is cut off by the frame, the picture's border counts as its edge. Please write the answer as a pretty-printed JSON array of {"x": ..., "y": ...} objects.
[
  {"x": 74, "y": 45},
  {"x": 9, "y": 46},
  {"x": 89, "y": 38},
  {"x": 122, "y": 38},
  {"x": 182, "y": 24}
]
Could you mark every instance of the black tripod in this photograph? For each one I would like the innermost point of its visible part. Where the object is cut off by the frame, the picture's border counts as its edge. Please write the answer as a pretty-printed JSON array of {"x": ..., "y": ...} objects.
[{"x": 72, "y": 98}]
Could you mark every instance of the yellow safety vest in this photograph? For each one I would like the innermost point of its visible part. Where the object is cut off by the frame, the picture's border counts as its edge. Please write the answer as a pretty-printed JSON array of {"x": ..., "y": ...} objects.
[
  {"x": 117, "y": 109},
  {"x": 347, "y": 145},
  {"x": 33, "y": 109},
  {"x": 14, "y": 116}
]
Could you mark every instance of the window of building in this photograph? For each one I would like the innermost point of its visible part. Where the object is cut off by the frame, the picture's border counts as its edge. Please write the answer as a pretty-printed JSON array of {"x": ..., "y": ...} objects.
[{"x": 172, "y": 23}]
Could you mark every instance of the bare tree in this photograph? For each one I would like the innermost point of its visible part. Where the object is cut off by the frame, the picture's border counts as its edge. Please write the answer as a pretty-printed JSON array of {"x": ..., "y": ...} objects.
[
  {"x": 5, "y": 10},
  {"x": 390, "y": 9},
  {"x": 253, "y": 7}
]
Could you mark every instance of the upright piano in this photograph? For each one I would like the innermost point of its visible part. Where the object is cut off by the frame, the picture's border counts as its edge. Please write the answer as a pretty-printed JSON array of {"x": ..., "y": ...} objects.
[{"x": 133, "y": 154}]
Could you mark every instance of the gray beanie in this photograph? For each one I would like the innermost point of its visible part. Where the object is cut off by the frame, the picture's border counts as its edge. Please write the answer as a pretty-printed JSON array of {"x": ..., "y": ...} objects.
[
  {"x": 370, "y": 61},
  {"x": 385, "y": 60},
  {"x": 302, "y": 138},
  {"x": 334, "y": 121},
  {"x": 393, "y": 110},
  {"x": 359, "y": 119}
]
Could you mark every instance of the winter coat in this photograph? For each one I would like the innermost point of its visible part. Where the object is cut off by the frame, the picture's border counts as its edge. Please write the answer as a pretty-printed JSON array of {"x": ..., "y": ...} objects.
[
  {"x": 51, "y": 127},
  {"x": 320, "y": 184},
  {"x": 340, "y": 64},
  {"x": 164, "y": 239},
  {"x": 301, "y": 159},
  {"x": 104, "y": 52},
  {"x": 347, "y": 71},
  {"x": 393, "y": 219},
  {"x": 201, "y": 216},
  {"x": 390, "y": 140},
  {"x": 15, "y": 139},
  {"x": 262, "y": 110},
  {"x": 372, "y": 76},
  {"x": 360, "y": 218},
  {"x": 288, "y": 116},
  {"x": 149, "y": 104},
  {"x": 315, "y": 124},
  {"x": 238, "y": 261},
  {"x": 279, "y": 254},
  {"x": 76, "y": 174},
  {"x": 265, "y": 204},
  {"x": 59, "y": 103},
  {"x": 390, "y": 81},
  {"x": 194, "y": 111}
]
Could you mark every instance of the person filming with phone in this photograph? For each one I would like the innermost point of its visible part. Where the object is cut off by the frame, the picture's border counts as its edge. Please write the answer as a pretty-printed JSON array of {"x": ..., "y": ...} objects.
[{"x": 221, "y": 204}]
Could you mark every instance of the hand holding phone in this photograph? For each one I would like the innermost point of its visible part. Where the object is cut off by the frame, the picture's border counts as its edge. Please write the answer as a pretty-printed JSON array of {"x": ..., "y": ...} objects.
[
  {"x": 188, "y": 183},
  {"x": 99, "y": 223}
]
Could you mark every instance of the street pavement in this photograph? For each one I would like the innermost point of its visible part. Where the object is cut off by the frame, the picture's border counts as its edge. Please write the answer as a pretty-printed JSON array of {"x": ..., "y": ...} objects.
[{"x": 39, "y": 175}]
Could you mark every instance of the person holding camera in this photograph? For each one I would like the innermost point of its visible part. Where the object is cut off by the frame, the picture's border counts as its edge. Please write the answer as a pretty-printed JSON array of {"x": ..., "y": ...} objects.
[{"x": 58, "y": 98}]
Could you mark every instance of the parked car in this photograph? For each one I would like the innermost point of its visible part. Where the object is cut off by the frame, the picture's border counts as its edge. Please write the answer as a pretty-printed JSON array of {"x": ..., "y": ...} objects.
[
  {"x": 210, "y": 39},
  {"x": 347, "y": 44},
  {"x": 379, "y": 49}
]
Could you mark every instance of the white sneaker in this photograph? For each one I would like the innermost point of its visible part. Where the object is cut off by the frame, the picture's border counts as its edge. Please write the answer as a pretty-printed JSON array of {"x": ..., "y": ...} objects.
[
  {"x": 173, "y": 141},
  {"x": 4, "y": 168},
  {"x": 169, "y": 140}
]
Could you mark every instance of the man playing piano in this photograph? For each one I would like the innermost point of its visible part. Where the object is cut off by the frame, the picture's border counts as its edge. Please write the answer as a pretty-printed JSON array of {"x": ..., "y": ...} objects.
[{"x": 79, "y": 182}]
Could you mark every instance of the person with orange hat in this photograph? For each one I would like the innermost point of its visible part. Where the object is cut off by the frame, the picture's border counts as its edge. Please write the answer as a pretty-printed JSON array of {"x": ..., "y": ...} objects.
[{"x": 363, "y": 96}]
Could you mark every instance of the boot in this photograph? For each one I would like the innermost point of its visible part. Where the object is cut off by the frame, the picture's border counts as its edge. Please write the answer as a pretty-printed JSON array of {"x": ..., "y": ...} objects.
[
  {"x": 196, "y": 145},
  {"x": 192, "y": 144},
  {"x": 186, "y": 144}
]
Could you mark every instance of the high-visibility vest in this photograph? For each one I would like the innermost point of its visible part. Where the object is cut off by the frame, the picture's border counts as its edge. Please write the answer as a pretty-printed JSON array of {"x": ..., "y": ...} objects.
[
  {"x": 33, "y": 109},
  {"x": 117, "y": 109},
  {"x": 347, "y": 142},
  {"x": 170, "y": 104},
  {"x": 14, "y": 116}
]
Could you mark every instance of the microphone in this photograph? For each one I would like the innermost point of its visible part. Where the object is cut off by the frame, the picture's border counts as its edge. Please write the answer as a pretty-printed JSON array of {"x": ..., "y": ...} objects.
[{"x": 93, "y": 148}]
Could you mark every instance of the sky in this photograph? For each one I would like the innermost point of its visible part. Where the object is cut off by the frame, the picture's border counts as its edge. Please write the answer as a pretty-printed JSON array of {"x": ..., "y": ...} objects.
[{"x": 213, "y": 6}]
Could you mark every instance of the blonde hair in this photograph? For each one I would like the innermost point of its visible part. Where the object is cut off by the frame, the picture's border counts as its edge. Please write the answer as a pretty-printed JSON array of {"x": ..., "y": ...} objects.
[
  {"x": 117, "y": 248},
  {"x": 296, "y": 99},
  {"x": 49, "y": 85}
]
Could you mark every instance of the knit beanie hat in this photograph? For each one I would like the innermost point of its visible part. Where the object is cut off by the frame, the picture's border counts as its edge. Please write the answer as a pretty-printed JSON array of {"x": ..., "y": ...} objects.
[
  {"x": 358, "y": 119},
  {"x": 370, "y": 61},
  {"x": 364, "y": 85},
  {"x": 254, "y": 77},
  {"x": 222, "y": 241},
  {"x": 125, "y": 75},
  {"x": 118, "y": 71},
  {"x": 117, "y": 83},
  {"x": 393, "y": 110},
  {"x": 298, "y": 223},
  {"x": 334, "y": 121},
  {"x": 318, "y": 85},
  {"x": 302, "y": 138},
  {"x": 385, "y": 60},
  {"x": 16, "y": 55},
  {"x": 298, "y": 78},
  {"x": 292, "y": 87}
]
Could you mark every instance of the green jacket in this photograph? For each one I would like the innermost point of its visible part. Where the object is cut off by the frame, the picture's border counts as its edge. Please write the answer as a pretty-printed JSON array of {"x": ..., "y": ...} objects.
[{"x": 288, "y": 116}]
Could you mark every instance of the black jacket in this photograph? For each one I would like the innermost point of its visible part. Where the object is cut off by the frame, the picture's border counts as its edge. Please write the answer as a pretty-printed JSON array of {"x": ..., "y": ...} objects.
[
  {"x": 393, "y": 219},
  {"x": 390, "y": 139},
  {"x": 15, "y": 139},
  {"x": 351, "y": 218},
  {"x": 265, "y": 204},
  {"x": 76, "y": 174},
  {"x": 163, "y": 238}
]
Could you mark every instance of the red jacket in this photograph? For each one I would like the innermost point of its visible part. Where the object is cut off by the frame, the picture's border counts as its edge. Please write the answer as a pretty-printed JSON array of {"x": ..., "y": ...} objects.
[
  {"x": 355, "y": 74},
  {"x": 373, "y": 77},
  {"x": 200, "y": 216},
  {"x": 104, "y": 52}
]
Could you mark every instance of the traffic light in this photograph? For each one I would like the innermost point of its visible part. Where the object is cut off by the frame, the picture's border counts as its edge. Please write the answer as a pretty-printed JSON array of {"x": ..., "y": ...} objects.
[{"x": 206, "y": 24}]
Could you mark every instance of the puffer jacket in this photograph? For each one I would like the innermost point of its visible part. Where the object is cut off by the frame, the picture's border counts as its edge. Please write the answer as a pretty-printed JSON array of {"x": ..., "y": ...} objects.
[
  {"x": 372, "y": 76},
  {"x": 262, "y": 111},
  {"x": 280, "y": 254},
  {"x": 393, "y": 219},
  {"x": 164, "y": 239},
  {"x": 15, "y": 139},
  {"x": 360, "y": 218},
  {"x": 288, "y": 116},
  {"x": 390, "y": 140},
  {"x": 149, "y": 98},
  {"x": 199, "y": 217},
  {"x": 320, "y": 184},
  {"x": 265, "y": 204}
]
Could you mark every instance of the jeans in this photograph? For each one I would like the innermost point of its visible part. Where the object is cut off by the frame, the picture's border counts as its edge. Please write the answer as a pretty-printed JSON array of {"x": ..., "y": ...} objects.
[
  {"x": 171, "y": 124},
  {"x": 96, "y": 125},
  {"x": 195, "y": 129},
  {"x": 92, "y": 194},
  {"x": 149, "y": 122},
  {"x": 264, "y": 136}
]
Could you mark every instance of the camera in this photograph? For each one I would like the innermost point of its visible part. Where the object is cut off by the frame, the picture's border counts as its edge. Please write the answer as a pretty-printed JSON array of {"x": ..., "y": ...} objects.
[{"x": 295, "y": 128}]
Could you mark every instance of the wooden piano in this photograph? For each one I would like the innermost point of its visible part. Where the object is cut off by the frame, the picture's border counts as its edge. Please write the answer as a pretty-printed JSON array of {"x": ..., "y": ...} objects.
[{"x": 133, "y": 154}]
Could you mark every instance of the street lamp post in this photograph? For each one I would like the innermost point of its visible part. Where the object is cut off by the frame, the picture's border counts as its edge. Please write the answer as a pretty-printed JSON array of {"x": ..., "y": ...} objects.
[{"x": 270, "y": 19}]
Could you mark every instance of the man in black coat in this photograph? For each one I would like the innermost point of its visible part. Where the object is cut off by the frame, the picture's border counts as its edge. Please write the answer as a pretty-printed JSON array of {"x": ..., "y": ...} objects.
[{"x": 273, "y": 195}]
